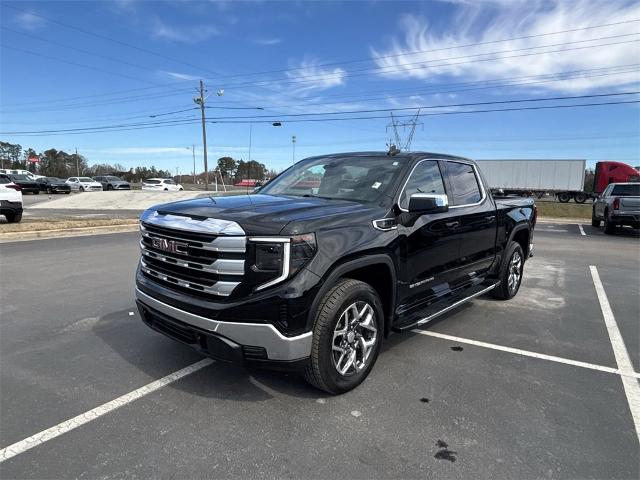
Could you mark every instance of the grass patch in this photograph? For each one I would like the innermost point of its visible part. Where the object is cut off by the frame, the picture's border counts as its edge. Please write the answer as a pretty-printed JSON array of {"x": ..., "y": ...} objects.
[
  {"x": 38, "y": 224},
  {"x": 564, "y": 210}
]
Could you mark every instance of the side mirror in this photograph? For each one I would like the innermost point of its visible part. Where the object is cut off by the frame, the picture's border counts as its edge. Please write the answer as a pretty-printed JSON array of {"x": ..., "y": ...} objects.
[{"x": 428, "y": 203}]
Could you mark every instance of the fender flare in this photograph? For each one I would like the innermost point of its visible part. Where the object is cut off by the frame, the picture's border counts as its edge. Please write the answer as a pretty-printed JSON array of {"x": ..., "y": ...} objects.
[
  {"x": 338, "y": 270},
  {"x": 516, "y": 229}
]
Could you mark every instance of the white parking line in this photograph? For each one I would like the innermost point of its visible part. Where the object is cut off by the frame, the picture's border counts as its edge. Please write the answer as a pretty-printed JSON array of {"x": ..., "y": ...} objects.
[
  {"x": 631, "y": 386},
  {"x": 75, "y": 422},
  {"x": 527, "y": 353},
  {"x": 582, "y": 230}
]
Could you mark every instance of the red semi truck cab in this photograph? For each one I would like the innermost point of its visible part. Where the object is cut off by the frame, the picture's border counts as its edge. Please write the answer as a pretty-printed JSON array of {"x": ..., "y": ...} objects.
[{"x": 613, "y": 172}]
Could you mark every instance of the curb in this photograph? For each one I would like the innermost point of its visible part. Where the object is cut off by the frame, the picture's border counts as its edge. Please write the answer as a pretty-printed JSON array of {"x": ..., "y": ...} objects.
[{"x": 68, "y": 232}]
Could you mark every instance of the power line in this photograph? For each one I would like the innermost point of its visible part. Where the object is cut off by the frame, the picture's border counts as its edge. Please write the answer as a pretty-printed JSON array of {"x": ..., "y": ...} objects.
[
  {"x": 423, "y": 66},
  {"x": 258, "y": 119}
]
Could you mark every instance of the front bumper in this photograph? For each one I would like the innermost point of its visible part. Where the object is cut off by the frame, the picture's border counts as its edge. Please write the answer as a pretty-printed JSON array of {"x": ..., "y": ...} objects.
[{"x": 230, "y": 341}]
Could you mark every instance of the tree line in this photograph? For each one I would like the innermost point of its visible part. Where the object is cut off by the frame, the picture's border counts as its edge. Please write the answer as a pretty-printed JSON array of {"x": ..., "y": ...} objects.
[{"x": 58, "y": 163}]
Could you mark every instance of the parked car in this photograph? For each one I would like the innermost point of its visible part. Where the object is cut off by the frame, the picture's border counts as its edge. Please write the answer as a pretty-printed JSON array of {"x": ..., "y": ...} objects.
[
  {"x": 618, "y": 205},
  {"x": 84, "y": 184},
  {"x": 313, "y": 278},
  {"x": 109, "y": 182},
  {"x": 53, "y": 185},
  {"x": 26, "y": 184},
  {"x": 10, "y": 200},
  {"x": 13, "y": 171},
  {"x": 165, "y": 184}
]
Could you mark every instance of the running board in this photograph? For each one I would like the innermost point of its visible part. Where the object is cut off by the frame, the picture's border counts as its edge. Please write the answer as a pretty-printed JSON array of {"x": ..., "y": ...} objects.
[{"x": 432, "y": 315}]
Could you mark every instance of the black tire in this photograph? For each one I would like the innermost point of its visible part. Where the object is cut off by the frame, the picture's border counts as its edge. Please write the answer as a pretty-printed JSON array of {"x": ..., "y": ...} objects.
[
  {"x": 37, "y": 192},
  {"x": 50, "y": 191},
  {"x": 609, "y": 227},
  {"x": 82, "y": 189},
  {"x": 322, "y": 371},
  {"x": 580, "y": 197},
  {"x": 504, "y": 291},
  {"x": 564, "y": 197},
  {"x": 67, "y": 193},
  {"x": 109, "y": 187},
  {"x": 14, "y": 217},
  {"x": 595, "y": 222},
  {"x": 166, "y": 189}
]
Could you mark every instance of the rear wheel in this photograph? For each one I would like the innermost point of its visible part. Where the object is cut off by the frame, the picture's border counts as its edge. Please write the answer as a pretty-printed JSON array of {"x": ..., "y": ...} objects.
[
  {"x": 36, "y": 192},
  {"x": 609, "y": 226},
  {"x": 510, "y": 273},
  {"x": 595, "y": 222},
  {"x": 14, "y": 217},
  {"x": 564, "y": 197},
  {"x": 580, "y": 197},
  {"x": 347, "y": 334}
]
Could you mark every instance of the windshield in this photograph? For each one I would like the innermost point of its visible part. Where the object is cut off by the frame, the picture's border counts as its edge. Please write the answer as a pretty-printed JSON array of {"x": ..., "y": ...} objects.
[
  {"x": 114, "y": 179},
  {"x": 364, "y": 179},
  {"x": 626, "y": 190},
  {"x": 86, "y": 179},
  {"x": 20, "y": 177},
  {"x": 54, "y": 179}
]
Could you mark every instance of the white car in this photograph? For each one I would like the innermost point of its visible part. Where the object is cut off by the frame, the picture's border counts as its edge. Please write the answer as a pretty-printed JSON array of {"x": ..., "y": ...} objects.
[
  {"x": 84, "y": 184},
  {"x": 13, "y": 171},
  {"x": 10, "y": 200},
  {"x": 158, "y": 184}
]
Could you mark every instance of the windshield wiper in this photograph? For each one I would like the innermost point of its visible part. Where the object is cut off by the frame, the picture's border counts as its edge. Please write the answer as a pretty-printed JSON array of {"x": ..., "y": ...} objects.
[{"x": 308, "y": 195}]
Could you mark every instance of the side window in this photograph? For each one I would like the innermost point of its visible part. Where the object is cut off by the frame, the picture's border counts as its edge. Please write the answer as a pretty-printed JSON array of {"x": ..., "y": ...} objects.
[
  {"x": 464, "y": 183},
  {"x": 425, "y": 178}
]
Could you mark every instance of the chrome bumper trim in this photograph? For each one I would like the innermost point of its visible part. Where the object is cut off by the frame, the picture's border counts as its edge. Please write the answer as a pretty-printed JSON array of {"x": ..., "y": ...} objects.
[{"x": 278, "y": 346}]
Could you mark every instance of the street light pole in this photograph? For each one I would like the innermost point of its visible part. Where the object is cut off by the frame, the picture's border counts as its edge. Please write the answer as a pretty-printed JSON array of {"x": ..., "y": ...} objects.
[
  {"x": 193, "y": 149},
  {"x": 293, "y": 144}
]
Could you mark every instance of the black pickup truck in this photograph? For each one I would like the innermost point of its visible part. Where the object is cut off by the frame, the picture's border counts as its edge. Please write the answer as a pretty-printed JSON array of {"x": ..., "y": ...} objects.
[{"x": 317, "y": 267}]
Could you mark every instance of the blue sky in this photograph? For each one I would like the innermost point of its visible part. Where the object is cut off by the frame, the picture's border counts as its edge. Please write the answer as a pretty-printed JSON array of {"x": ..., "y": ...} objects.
[{"x": 68, "y": 65}]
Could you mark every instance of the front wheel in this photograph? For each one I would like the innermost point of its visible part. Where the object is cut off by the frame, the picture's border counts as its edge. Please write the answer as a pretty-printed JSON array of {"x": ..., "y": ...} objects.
[
  {"x": 347, "y": 335},
  {"x": 82, "y": 189},
  {"x": 510, "y": 273}
]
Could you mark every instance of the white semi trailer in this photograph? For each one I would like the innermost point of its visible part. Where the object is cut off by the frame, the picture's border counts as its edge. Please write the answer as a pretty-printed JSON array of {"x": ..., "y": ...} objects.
[{"x": 562, "y": 178}]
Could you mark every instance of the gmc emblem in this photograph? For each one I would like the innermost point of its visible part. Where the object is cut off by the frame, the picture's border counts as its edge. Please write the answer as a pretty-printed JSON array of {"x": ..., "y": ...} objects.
[{"x": 170, "y": 246}]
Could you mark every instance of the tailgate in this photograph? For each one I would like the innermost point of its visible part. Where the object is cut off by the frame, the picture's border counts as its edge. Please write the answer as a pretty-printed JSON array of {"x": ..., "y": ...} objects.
[{"x": 630, "y": 204}]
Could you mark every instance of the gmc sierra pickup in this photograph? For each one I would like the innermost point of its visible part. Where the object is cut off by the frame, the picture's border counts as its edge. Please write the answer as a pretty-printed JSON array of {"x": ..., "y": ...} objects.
[{"x": 318, "y": 266}]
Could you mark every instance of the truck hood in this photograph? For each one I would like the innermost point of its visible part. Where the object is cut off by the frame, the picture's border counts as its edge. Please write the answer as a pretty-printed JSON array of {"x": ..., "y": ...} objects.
[{"x": 264, "y": 214}]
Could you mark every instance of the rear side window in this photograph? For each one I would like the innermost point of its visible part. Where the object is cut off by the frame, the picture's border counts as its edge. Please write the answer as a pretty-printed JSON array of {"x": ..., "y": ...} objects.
[
  {"x": 464, "y": 183},
  {"x": 626, "y": 190},
  {"x": 425, "y": 178},
  {"x": 4, "y": 179},
  {"x": 152, "y": 182}
]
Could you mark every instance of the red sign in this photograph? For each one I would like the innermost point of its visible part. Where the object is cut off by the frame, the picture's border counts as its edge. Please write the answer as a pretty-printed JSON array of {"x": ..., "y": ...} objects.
[{"x": 33, "y": 159}]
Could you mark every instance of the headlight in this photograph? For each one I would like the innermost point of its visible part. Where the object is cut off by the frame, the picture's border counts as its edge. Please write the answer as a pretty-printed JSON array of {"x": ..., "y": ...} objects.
[{"x": 282, "y": 256}]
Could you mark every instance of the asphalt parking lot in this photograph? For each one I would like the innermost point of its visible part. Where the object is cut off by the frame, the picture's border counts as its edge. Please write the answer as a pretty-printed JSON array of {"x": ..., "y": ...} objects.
[{"x": 531, "y": 388}]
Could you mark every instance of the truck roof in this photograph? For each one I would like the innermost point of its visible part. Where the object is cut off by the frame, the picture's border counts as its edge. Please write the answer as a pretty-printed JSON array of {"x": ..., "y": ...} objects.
[{"x": 407, "y": 155}]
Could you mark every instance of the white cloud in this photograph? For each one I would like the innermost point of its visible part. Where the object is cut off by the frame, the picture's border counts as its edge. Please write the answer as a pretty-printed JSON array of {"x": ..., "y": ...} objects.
[
  {"x": 308, "y": 77},
  {"x": 29, "y": 20},
  {"x": 180, "y": 76},
  {"x": 497, "y": 20},
  {"x": 188, "y": 34},
  {"x": 268, "y": 41}
]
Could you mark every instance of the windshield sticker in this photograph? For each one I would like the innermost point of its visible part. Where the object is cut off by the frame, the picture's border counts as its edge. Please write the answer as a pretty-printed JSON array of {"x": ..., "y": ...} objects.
[{"x": 376, "y": 185}]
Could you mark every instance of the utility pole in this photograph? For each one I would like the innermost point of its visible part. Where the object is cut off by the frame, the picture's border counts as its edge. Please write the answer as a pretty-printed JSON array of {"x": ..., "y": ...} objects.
[
  {"x": 193, "y": 149},
  {"x": 77, "y": 164},
  {"x": 200, "y": 101},
  {"x": 293, "y": 144}
]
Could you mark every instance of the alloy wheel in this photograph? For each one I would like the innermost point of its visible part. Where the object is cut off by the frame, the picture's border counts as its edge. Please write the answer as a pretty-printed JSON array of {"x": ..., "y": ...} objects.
[
  {"x": 515, "y": 272},
  {"x": 354, "y": 338}
]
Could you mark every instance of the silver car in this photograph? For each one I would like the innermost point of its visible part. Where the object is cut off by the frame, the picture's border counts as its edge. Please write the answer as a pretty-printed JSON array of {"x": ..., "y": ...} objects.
[{"x": 618, "y": 205}]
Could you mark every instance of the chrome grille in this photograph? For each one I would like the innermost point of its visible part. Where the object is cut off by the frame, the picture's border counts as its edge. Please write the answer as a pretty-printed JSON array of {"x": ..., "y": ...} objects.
[{"x": 210, "y": 264}]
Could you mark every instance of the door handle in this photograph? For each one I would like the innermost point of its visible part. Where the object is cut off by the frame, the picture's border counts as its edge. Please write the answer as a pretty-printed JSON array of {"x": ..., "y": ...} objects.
[
  {"x": 490, "y": 218},
  {"x": 455, "y": 224}
]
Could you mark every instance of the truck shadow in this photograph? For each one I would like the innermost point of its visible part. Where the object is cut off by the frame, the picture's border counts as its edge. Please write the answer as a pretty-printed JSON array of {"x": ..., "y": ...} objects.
[{"x": 157, "y": 356}]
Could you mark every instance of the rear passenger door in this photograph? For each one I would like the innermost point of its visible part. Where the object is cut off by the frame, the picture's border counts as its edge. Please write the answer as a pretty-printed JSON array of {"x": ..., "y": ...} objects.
[{"x": 473, "y": 213}]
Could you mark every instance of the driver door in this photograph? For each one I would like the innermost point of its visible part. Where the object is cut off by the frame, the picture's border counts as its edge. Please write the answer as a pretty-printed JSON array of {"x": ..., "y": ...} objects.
[{"x": 429, "y": 243}]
